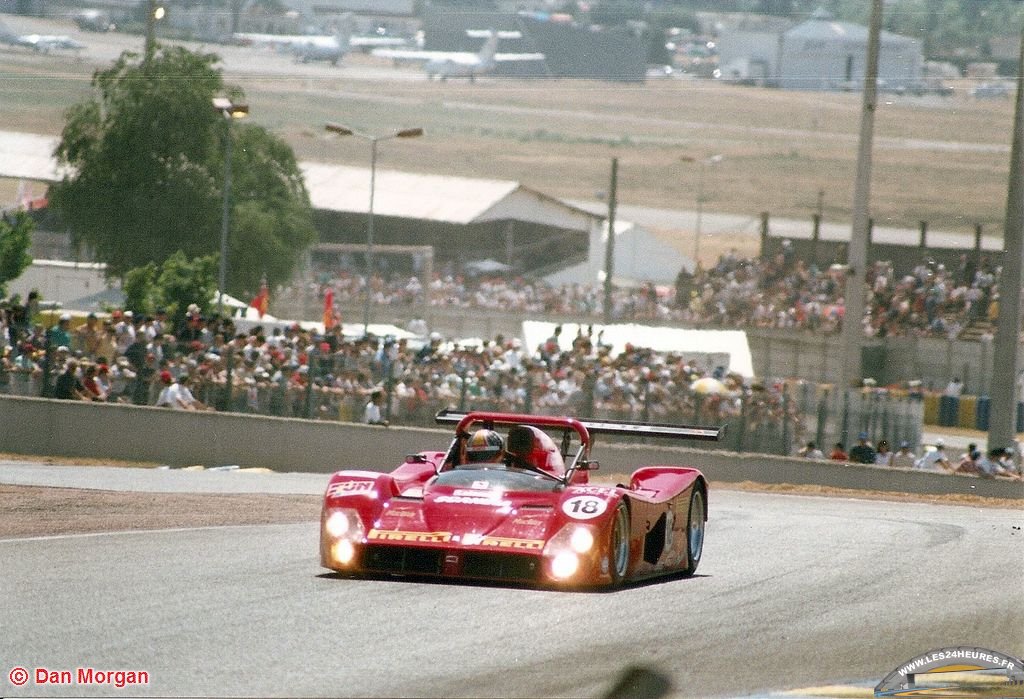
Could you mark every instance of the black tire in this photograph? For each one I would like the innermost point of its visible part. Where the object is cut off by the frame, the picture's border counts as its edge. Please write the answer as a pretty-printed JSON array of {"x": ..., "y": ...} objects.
[
  {"x": 619, "y": 545},
  {"x": 695, "y": 529}
]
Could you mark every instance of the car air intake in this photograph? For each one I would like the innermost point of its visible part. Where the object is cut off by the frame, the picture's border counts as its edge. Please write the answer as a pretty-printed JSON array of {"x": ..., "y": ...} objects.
[{"x": 403, "y": 559}]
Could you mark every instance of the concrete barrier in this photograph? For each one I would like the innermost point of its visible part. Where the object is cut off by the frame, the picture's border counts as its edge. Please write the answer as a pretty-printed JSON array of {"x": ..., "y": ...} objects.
[{"x": 38, "y": 427}]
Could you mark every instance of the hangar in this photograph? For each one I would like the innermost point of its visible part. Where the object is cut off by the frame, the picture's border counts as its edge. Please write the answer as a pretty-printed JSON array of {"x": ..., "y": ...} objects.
[
  {"x": 819, "y": 54},
  {"x": 462, "y": 219}
]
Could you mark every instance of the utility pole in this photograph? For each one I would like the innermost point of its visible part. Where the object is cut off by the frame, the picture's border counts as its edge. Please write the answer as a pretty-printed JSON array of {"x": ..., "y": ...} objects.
[
  {"x": 1002, "y": 426},
  {"x": 609, "y": 249},
  {"x": 150, "y": 30},
  {"x": 857, "y": 254}
]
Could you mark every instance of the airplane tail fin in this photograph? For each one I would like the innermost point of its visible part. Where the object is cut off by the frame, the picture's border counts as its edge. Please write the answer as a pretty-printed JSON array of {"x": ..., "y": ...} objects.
[
  {"x": 490, "y": 47},
  {"x": 344, "y": 31}
]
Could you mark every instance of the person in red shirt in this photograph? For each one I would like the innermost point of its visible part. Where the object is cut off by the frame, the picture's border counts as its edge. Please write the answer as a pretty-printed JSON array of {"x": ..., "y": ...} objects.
[{"x": 838, "y": 453}]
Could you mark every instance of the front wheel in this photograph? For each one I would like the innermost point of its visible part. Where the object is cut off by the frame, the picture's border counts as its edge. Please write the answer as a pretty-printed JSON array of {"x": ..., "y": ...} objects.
[
  {"x": 695, "y": 530},
  {"x": 618, "y": 544}
]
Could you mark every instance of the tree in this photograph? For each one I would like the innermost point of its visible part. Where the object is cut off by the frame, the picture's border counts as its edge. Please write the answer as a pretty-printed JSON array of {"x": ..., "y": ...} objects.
[
  {"x": 147, "y": 159},
  {"x": 15, "y": 238},
  {"x": 172, "y": 286}
]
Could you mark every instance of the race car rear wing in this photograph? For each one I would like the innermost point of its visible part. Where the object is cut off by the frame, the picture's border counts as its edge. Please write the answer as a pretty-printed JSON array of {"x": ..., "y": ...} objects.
[{"x": 592, "y": 426}]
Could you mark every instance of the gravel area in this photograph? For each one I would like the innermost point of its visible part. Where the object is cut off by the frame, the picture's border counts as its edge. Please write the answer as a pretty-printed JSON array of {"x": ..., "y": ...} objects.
[{"x": 33, "y": 511}]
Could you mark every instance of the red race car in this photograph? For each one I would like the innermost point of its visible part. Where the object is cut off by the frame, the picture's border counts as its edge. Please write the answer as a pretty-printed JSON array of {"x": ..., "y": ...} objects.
[{"x": 519, "y": 508}]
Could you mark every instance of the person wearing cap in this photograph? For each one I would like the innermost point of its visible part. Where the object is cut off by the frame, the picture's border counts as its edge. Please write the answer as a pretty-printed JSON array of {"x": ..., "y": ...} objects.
[
  {"x": 60, "y": 334},
  {"x": 935, "y": 459},
  {"x": 176, "y": 394},
  {"x": 862, "y": 452},
  {"x": 903, "y": 457}
]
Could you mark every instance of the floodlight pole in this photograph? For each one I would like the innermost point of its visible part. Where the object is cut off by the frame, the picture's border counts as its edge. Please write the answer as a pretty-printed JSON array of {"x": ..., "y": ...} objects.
[
  {"x": 229, "y": 110},
  {"x": 342, "y": 130},
  {"x": 1006, "y": 344},
  {"x": 609, "y": 250},
  {"x": 857, "y": 253}
]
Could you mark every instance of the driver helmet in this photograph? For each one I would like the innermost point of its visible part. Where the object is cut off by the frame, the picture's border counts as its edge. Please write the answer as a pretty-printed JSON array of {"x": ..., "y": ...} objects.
[{"x": 484, "y": 445}]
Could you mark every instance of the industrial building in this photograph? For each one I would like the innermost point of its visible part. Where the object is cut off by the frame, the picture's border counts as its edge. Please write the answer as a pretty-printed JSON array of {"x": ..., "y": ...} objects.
[{"x": 819, "y": 54}]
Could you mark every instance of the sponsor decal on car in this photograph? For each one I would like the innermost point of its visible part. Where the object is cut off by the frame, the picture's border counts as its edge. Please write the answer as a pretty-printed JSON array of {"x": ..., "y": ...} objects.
[
  {"x": 592, "y": 490},
  {"x": 476, "y": 499},
  {"x": 584, "y": 507},
  {"x": 419, "y": 537},
  {"x": 351, "y": 488},
  {"x": 501, "y": 542}
]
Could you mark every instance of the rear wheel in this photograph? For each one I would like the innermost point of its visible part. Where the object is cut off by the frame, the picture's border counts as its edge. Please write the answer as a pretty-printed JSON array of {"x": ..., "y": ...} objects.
[
  {"x": 618, "y": 544},
  {"x": 695, "y": 530}
]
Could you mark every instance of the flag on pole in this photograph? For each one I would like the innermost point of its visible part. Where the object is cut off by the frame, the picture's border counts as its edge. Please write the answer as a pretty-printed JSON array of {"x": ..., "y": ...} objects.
[
  {"x": 262, "y": 300},
  {"x": 330, "y": 319}
]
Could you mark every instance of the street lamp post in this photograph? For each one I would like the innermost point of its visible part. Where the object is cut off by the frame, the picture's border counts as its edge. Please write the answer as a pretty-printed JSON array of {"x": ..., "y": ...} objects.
[
  {"x": 230, "y": 111},
  {"x": 343, "y": 130},
  {"x": 702, "y": 162}
]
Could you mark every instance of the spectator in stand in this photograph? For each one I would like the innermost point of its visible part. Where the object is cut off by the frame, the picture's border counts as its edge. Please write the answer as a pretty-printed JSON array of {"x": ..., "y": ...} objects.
[
  {"x": 811, "y": 451},
  {"x": 862, "y": 452},
  {"x": 60, "y": 334},
  {"x": 883, "y": 456},
  {"x": 998, "y": 462},
  {"x": 90, "y": 384},
  {"x": 372, "y": 413},
  {"x": 955, "y": 388},
  {"x": 969, "y": 462},
  {"x": 90, "y": 337},
  {"x": 68, "y": 386},
  {"x": 935, "y": 459},
  {"x": 903, "y": 457},
  {"x": 838, "y": 453}
]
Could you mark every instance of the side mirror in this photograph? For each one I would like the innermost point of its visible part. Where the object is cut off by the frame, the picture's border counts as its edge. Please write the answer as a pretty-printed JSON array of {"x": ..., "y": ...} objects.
[{"x": 590, "y": 465}]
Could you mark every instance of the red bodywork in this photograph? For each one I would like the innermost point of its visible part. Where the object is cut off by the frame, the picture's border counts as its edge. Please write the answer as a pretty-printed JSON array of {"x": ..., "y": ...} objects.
[{"x": 435, "y": 516}]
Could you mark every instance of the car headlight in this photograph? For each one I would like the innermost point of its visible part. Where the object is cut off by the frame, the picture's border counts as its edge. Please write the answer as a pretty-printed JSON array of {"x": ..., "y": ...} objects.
[
  {"x": 343, "y": 551},
  {"x": 565, "y": 564},
  {"x": 581, "y": 540},
  {"x": 343, "y": 523},
  {"x": 567, "y": 548}
]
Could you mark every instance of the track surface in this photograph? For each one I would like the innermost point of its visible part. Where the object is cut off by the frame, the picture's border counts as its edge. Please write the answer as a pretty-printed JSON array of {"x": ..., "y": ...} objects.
[{"x": 793, "y": 591}]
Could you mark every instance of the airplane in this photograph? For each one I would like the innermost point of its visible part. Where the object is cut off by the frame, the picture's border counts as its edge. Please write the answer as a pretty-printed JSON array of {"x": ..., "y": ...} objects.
[
  {"x": 44, "y": 43},
  {"x": 447, "y": 64},
  {"x": 311, "y": 47}
]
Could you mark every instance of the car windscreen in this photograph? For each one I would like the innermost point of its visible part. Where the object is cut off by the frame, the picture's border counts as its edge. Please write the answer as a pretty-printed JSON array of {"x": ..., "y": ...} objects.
[{"x": 496, "y": 477}]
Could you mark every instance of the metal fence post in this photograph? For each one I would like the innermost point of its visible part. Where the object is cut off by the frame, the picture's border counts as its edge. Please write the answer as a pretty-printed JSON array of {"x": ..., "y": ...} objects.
[
  {"x": 309, "y": 383},
  {"x": 785, "y": 420}
]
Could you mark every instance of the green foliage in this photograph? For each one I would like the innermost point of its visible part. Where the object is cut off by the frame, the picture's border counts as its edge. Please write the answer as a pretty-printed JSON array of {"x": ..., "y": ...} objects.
[
  {"x": 147, "y": 151},
  {"x": 183, "y": 281},
  {"x": 272, "y": 222},
  {"x": 15, "y": 239},
  {"x": 172, "y": 286},
  {"x": 140, "y": 289}
]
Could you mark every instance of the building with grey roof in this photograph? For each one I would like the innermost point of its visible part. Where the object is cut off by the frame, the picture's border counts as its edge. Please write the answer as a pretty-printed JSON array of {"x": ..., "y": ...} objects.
[{"x": 818, "y": 54}]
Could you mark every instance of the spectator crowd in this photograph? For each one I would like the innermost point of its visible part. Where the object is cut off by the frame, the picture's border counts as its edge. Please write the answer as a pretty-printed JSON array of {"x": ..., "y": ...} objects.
[
  {"x": 206, "y": 362},
  {"x": 774, "y": 291}
]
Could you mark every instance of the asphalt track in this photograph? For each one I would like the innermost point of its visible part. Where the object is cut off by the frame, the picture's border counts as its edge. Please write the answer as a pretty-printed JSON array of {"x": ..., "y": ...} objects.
[{"x": 792, "y": 592}]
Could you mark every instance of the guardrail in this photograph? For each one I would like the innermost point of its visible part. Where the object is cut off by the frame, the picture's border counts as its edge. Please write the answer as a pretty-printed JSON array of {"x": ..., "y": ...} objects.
[{"x": 40, "y": 426}]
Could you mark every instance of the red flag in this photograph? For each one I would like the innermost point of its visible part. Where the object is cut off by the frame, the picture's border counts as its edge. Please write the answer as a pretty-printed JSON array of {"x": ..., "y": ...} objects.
[
  {"x": 262, "y": 299},
  {"x": 330, "y": 319}
]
